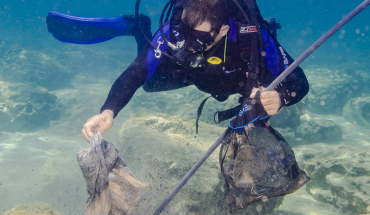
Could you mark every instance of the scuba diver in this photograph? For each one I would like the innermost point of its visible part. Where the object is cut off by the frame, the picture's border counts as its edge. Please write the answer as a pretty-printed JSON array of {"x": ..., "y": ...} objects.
[
  {"x": 223, "y": 48},
  {"x": 209, "y": 44}
]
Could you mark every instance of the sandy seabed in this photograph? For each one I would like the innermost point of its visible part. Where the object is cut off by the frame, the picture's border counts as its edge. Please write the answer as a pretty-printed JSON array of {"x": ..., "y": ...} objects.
[{"x": 42, "y": 166}]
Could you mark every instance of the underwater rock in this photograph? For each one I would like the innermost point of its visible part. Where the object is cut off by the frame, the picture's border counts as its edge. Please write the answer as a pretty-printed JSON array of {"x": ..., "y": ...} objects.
[
  {"x": 34, "y": 68},
  {"x": 54, "y": 70},
  {"x": 316, "y": 130},
  {"x": 183, "y": 102},
  {"x": 288, "y": 117},
  {"x": 289, "y": 136},
  {"x": 339, "y": 177},
  {"x": 330, "y": 90},
  {"x": 357, "y": 111},
  {"x": 50, "y": 169},
  {"x": 37, "y": 208},
  {"x": 24, "y": 108},
  {"x": 93, "y": 63},
  {"x": 160, "y": 150}
]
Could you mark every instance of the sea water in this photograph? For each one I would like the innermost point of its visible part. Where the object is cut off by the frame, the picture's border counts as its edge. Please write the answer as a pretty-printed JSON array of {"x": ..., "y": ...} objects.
[{"x": 49, "y": 89}]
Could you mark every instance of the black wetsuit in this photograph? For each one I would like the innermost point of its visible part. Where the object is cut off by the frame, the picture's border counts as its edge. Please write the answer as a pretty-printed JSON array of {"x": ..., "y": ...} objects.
[{"x": 223, "y": 79}]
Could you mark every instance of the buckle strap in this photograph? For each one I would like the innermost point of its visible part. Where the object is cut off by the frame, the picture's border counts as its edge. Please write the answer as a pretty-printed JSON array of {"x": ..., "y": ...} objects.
[{"x": 226, "y": 114}]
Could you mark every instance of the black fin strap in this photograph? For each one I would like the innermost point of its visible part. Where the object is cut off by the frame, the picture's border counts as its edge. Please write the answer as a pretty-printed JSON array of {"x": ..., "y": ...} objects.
[
  {"x": 226, "y": 114},
  {"x": 200, "y": 108}
]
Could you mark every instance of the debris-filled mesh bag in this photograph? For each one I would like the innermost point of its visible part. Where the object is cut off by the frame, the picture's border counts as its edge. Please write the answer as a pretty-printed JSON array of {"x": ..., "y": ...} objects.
[
  {"x": 257, "y": 163},
  {"x": 111, "y": 187}
]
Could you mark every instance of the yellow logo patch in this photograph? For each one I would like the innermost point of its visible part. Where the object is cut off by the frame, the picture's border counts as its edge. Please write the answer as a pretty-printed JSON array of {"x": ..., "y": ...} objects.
[{"x": 214, "y": 60}]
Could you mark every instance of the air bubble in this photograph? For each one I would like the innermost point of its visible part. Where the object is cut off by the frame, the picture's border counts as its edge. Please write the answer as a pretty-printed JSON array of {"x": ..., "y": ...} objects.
[
  {"x": 366, "y": 28},
  {"x": 357, "y": 31},
  {"x": 303, "y": 33},
  {"x": 264, "y": 199},
  {"x": 363, "y": 34},
  {"x": 259, "y": 208},
  {"x": 341, "y": 36},
  {"x": 322, "y": 103},
  {"x": 263, "y": 54},
  {"x": 68, "y": 12},
  {"x": 358, "y": 39},
  {"x": 334, "y": 45},
  {"x": 299, "y": 42},
  {"x": 293, "y": 94},
  {"x": 353, "y": 203},
  {"x": 343, "y": 31}
]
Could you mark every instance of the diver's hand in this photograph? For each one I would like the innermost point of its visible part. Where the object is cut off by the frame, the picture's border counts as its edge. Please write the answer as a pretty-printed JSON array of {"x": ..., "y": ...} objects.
[
  {"x": 270, "y": 100},
  {"x": 98, "y": 124}
]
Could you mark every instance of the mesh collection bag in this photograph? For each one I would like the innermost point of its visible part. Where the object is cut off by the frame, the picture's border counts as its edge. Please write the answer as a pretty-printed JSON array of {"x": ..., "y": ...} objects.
[
  {"x": 256, "y": 162},
  {"x": 111, "y": 187}
]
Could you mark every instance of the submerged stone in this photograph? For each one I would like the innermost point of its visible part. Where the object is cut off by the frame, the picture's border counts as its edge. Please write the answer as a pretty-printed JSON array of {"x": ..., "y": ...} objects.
[
  {"x": 357, "y": 111},
  {"x": 340, "y": 177},
  {"x": 24, "y": 108},
  {"x": 37, "y": 208},
  {"x": 330, "y": 90},
  {"x": 161, "y": 149},
  {"x": 315, "y": 130}
]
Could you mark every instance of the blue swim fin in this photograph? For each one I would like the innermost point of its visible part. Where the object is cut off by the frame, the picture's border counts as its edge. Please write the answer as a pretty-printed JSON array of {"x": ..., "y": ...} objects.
[{"x": 81, "y": 30}]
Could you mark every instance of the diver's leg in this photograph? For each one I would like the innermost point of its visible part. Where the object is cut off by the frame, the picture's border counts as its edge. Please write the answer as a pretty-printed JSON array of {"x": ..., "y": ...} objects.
[{"x": 145, "y": 24}]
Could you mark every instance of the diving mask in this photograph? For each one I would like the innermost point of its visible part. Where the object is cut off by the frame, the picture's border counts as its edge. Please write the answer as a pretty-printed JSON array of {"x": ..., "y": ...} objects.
[
  {"x": 194, "y": 43},
  {"x": 195, "y": 40}
]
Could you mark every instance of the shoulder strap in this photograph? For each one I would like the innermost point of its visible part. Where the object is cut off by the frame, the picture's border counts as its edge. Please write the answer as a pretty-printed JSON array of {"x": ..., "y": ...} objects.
[{"x": 153, "y": 56}]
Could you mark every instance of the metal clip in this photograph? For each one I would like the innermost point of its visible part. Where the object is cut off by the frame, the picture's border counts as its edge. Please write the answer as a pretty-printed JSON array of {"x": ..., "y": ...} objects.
[
  {"x": 175, "y": 33},
  {"x": 158, "y": 51}
]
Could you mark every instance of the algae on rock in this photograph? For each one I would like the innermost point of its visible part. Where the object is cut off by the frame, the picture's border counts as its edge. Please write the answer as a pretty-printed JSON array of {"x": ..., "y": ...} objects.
[
  {"x": 37, "y": 208},
  {"x": 24, "y": 108},
  {"x": 357, "y": 110},
  {"x": 340, "y": 177},
  {"x": 330, "y": 90},
  {"x": 160, "y": 150}
]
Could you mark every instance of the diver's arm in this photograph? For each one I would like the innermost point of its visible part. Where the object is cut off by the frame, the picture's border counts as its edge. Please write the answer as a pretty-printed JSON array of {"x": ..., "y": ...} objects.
[
  {"x": 97, "y": 124},
  {"x": 294, "y": 87},
  {"x": 270, "y": 100},
  {"x": 126, "y": 85}
]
